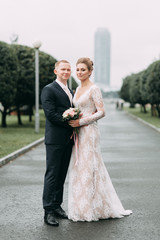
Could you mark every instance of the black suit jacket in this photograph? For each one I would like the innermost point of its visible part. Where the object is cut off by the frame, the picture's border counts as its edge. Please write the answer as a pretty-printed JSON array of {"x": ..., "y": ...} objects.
[{"x": 54, "y": 102}]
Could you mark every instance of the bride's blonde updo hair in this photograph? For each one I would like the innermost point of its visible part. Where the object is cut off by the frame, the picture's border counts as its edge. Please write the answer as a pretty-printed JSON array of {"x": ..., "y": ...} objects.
[{"x": 86, "y": 61}]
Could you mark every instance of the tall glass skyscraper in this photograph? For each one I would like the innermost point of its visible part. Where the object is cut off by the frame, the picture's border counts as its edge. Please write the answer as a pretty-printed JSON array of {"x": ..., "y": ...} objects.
[{"x": 102, "y": 57}]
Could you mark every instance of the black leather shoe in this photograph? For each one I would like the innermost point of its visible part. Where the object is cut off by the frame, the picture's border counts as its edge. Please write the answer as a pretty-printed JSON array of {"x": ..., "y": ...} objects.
[
  {"x": 59, "y": 212},
  {"x": 50, "y": 220}
]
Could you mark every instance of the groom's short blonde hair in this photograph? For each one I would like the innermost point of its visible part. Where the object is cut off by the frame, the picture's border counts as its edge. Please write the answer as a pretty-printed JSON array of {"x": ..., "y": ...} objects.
[{"x": 63, "y": 61}]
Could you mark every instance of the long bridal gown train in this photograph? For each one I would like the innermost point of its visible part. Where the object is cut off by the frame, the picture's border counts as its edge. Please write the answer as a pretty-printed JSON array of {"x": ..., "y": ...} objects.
[{"x": 91, "y": 193}]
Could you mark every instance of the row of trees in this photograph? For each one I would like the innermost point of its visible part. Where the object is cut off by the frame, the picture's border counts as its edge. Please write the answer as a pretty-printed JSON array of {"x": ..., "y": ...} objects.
[
  {"x": 143, "y": 88},
  {"x": 17, "y": 78}
]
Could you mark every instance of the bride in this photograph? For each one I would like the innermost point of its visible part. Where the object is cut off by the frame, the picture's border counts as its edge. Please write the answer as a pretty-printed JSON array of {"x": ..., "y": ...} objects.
[{"x": 91, "y": 193}]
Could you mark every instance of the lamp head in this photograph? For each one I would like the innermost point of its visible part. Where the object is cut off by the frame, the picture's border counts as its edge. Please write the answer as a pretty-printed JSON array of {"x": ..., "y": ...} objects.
[{"x": 37, "y": 44}]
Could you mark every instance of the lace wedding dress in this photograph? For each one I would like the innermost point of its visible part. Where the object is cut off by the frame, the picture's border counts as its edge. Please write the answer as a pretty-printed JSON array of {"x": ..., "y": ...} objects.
[{"x": 91, "y": 193}]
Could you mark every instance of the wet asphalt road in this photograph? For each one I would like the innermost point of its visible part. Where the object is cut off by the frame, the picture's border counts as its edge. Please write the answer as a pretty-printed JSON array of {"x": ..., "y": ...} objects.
[{"x": 131, "y": 152}]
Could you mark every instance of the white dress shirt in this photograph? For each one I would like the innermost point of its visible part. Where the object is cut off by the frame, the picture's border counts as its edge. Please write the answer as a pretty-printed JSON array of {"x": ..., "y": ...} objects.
[{"x": 66, "y": 89}]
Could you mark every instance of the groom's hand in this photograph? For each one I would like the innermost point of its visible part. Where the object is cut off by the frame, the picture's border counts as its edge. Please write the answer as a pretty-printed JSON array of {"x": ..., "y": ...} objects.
[{"x": 74, "y": 123}]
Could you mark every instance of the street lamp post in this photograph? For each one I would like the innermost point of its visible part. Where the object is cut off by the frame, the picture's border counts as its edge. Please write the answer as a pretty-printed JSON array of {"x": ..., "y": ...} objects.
[{"x": 36, "y": 47}]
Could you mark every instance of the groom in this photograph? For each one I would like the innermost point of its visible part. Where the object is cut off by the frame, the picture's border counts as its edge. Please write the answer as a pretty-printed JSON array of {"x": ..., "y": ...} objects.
[{"x": 56, "y": 98}]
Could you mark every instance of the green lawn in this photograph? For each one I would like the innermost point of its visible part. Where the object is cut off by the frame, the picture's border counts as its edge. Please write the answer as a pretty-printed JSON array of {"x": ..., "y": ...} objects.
[
  {"x": 14, "y": 137},
  {"x": 145, "y": 116}
]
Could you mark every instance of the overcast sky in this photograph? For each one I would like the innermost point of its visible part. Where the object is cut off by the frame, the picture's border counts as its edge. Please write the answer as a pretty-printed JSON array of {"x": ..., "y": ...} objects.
[{"x": 66, "y": 29}]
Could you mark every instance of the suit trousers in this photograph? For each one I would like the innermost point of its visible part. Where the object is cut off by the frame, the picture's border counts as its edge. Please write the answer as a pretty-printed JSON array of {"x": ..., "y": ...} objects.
[{"x": 57, "y": 162}]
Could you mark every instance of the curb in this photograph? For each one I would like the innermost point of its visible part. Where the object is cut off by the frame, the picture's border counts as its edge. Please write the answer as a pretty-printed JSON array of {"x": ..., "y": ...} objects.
[
  {"x": 146, "y": 123},
  {"x": 19, "y": 152}
]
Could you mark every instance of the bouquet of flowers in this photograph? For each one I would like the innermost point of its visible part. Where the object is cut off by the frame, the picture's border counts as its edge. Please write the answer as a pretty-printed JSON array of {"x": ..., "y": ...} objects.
[{"x": 71, "y": 114}]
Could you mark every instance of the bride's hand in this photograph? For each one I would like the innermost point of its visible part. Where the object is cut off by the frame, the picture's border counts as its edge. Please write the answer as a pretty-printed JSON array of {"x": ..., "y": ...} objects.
[{"x": 74, "y": 123}]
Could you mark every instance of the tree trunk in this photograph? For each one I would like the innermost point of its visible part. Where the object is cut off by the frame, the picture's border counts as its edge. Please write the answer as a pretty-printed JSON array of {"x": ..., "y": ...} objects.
[
  {"x": 19, "y": 116},
  {"x": 30, "y": 118},
  {"x": 30, "y": 113},
  {"x": 4, "y": 114},
  {"x": 132, "y": 105},
  {"x": 153, "y": 111},
  {"x": 158, "y": 109},
  {"x": 144, "y": 108}
]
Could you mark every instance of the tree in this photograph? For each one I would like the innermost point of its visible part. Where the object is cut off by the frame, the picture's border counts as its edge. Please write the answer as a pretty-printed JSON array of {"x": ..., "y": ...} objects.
[
  {"x": 143, "y": 89},
  {"x": 125, "y": 90},
  {"x": 25, "y": 83},
  {"x": 153, "y": 85},
  {"x": 8, "y": 79},
  {"x": 26, "y": 76},
  {"x": 17, "y": 77},
  {"x": 74, "y": 83},
  {"x": 134, "y": 92},
  {"x": 46, "y": 67}
]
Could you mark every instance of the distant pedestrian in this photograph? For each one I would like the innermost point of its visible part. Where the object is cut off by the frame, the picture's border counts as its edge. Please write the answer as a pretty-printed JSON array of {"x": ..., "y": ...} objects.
[{"x": 117, "y": 104}]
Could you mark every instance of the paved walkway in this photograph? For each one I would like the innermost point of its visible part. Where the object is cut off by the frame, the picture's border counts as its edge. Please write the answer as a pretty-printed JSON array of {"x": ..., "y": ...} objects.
[{"x": 131, "y": 152}]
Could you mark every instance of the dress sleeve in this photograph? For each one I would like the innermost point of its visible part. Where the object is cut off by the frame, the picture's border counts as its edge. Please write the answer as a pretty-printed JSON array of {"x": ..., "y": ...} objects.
[{"x": 99, "y": 105}]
